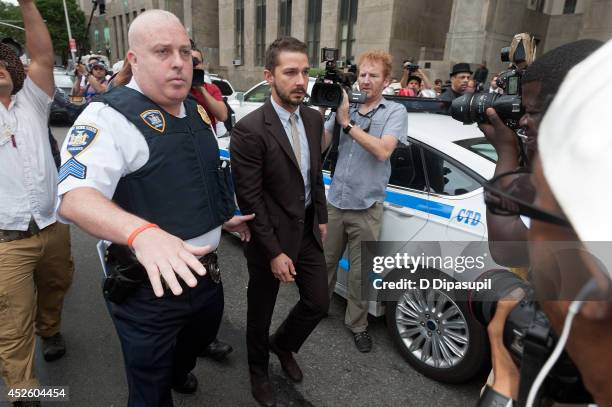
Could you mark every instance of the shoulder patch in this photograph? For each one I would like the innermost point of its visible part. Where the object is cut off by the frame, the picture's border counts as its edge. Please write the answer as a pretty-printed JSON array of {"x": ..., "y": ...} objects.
[
  {"x": 204, "y": 115},
  {"x": 154, "y": 119},
  {"x": 79, "y": 139}
]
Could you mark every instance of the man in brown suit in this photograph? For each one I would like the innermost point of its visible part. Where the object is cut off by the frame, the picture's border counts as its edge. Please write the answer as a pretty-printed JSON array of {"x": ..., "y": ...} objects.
[{"x": 276, "y": 163}]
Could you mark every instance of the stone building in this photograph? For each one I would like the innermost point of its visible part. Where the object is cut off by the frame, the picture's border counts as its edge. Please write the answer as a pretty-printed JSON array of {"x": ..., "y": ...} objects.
[
  {"x": 436, "y": 33},
  {"x": 109, "y": 31}
]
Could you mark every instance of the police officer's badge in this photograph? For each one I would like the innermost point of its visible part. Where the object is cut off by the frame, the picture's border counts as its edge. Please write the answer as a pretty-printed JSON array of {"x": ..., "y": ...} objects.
[
  {"x": 204, "y": 115},
  {"x": 79, "y": 139},
  {"x": 154, "y": 119}
]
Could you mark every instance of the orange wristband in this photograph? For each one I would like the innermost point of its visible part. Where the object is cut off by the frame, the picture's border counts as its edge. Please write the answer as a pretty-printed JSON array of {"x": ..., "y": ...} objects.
[{"x": 137, "y": 231}]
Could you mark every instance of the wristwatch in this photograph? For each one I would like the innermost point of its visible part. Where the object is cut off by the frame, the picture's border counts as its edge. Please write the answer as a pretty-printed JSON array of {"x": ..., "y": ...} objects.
[{"x": 349, "y": 127}]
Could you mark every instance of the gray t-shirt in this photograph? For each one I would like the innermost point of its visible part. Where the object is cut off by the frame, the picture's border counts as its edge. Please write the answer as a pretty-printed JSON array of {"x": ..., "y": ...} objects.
[{"x": 360, "y": 178}]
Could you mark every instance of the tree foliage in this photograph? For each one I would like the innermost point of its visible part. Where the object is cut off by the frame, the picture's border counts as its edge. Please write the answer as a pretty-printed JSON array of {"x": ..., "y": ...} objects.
[{"x": 52, "y": 12}]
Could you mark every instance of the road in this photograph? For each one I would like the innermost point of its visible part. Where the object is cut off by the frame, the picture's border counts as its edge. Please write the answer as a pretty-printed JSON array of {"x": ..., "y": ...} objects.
[{"x": 336, "y": 374}]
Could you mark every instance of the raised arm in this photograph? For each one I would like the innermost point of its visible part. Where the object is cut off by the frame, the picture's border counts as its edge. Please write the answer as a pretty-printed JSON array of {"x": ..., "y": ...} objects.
[{"x": 39, "y": 46}]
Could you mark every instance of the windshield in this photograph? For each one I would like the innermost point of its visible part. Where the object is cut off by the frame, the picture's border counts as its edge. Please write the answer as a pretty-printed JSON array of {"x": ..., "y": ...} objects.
[{"x": 63, "y": 81}]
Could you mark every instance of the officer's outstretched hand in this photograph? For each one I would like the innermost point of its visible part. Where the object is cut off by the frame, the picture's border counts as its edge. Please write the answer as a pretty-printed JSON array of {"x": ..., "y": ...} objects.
[
  {"x": 239, "y": 224},
  {"x": 164, "y": 256}
]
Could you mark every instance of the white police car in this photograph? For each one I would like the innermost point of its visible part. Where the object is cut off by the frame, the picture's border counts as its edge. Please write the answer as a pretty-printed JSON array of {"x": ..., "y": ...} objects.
[{"x": 434, "y": 194}]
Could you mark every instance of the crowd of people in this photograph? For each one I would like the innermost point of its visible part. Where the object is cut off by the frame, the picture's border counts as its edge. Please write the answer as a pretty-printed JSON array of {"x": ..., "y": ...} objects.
[{"x": 154, "y": 127}]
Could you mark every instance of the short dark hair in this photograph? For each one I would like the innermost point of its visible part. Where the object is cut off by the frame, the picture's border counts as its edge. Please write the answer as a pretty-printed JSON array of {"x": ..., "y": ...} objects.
[
  {"x": 199, "y": 52},
  {"x": 550, "y": 69},
  {"x": 287, "y": 44},
  {"x": 414, "y": 78}
]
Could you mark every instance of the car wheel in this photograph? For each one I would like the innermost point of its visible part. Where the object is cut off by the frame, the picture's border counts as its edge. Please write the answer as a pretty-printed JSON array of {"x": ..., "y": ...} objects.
[{"x": 437, "y": 336}]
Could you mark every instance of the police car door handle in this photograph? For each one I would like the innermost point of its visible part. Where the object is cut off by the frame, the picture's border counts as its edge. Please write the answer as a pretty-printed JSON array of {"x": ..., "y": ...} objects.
[{"x": 398, "y": 209}]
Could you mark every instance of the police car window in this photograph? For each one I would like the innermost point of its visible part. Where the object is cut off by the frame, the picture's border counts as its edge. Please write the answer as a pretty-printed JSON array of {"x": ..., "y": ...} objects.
[
  {"x": 446, "y": 178},
  {"x": 259, "y": 94},
  {"x": 481, "y": 147},
  {"x": 407, "y": 168}
]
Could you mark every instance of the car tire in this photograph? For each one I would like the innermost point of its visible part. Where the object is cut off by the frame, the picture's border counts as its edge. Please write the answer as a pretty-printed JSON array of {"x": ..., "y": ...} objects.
[{"x": 410, "y": 336}]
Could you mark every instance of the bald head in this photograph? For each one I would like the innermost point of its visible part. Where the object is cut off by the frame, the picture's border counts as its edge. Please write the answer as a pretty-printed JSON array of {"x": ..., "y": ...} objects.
[
  {"x": 148, "y": 23},
  {"x": 160, "y": 58}
]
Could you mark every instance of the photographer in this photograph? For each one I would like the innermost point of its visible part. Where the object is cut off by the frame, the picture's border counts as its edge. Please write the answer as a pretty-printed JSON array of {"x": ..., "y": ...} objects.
[
  {"x": 370, "y": 133},
  {"x": 413, "y": 80},
  {"x": 574, "y": 150},
  {"x": 459, "y": 78},
  {"x": 95, "y": 80},
  {"x": 569, "y": 205},
  {"x": 207, "y": 94},
  {"x": 540, "y": 83}
]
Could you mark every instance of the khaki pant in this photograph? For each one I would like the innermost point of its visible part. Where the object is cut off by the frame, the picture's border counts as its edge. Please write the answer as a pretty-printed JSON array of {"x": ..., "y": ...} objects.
[
  {"x": 35, "y": 274},
  {"x": 351, "y": 227}
]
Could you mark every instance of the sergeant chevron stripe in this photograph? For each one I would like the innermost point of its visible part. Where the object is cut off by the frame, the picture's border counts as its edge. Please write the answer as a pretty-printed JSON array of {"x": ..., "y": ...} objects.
[{"x": 74, "y": 168}]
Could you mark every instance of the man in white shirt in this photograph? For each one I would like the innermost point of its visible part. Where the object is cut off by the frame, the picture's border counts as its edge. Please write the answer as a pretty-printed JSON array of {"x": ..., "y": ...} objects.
[{"x": 35, "y": 264}]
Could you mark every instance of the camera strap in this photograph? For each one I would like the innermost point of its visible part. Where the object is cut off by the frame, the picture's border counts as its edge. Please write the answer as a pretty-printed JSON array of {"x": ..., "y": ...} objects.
[
  {"x": 331, "y": 155},
  {"x": 535, "y": 353}
]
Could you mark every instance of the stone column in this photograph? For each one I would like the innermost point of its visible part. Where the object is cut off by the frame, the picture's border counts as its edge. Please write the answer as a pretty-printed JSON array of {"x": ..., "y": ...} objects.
[
  {"x": 299, "y": 14},
  {"x": 329, "y": 23}
]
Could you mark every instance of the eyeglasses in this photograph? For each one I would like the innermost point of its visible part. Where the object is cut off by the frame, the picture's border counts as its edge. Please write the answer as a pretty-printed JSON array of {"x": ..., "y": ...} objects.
[{"x": 512, "y": 193}]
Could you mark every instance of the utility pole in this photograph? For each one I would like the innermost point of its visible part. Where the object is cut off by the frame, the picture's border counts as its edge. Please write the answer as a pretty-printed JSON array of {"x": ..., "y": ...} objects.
[{"x": 70, "y": 39}]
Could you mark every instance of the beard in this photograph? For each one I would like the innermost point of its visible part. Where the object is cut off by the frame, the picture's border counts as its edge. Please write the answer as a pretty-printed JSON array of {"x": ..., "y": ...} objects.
[{"x": 288, "y": 97}]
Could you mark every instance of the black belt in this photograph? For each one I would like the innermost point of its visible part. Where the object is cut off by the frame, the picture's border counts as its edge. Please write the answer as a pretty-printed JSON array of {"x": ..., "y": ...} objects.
[
  {"x": 127, "y": 274},
  {"x": 11, "y": 235}
]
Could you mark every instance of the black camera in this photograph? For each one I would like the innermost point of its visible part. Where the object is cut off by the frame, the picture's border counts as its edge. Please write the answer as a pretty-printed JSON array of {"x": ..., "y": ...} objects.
[
  {"x": 327, "y": 90},
  {"x": 529, "y": 337},
  {"x": 471, "y": 108},
  {"x": 410, "y": 67},
  {"x": 198, "y": 74}
]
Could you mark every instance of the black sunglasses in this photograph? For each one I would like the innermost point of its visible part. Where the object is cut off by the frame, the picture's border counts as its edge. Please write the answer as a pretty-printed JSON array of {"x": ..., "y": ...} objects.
[{"x": 512, "y": 193}]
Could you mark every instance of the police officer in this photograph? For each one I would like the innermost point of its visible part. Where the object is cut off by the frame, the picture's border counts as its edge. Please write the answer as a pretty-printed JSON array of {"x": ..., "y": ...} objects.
[{"x": 152, "y": 151}]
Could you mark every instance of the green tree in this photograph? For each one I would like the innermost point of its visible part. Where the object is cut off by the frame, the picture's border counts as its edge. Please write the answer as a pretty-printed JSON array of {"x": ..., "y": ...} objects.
[
  {"x": 9, "y": 13},
  {"x": 52, "y": 12}
]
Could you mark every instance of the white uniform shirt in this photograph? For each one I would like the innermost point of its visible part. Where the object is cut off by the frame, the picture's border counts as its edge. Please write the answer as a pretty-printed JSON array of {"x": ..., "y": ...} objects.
[
  {"x": 28, "y": 180},
  {"x": 117, "y": 149}
]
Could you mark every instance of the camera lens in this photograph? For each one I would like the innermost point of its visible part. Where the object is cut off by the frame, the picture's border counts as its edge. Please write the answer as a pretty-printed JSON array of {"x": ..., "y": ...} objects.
[
  {"x": 326, "y": 95},
  {"x": 330, "y": 95},
  {"x": 471, "y": 108}
]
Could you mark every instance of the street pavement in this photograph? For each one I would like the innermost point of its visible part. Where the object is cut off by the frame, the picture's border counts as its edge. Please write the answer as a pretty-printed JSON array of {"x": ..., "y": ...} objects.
[{"x": 335, "y": 373}]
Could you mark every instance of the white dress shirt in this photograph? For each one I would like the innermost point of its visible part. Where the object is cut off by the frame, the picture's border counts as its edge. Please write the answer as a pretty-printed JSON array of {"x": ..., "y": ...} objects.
[{"x": 28, "y": 177}]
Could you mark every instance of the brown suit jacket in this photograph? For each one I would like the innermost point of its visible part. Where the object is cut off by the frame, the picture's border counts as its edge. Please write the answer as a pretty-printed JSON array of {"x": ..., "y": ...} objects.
[{"x": 268, "y": 182}]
